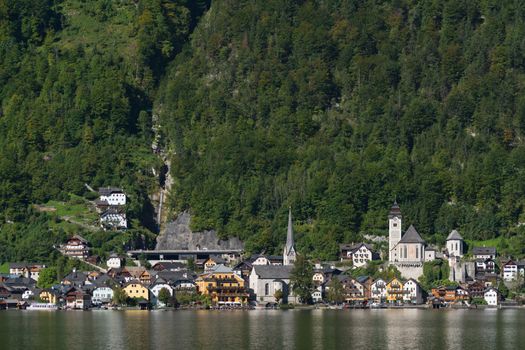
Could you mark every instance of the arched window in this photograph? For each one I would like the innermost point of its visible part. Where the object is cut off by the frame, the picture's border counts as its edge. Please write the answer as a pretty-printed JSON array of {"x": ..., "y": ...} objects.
[
  {"x": 417, "y": 253},
  {"x": 266, "y": 289}
]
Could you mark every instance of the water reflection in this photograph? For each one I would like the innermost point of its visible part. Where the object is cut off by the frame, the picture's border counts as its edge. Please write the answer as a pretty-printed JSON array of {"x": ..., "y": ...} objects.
[{"x": 273, "y": 329}]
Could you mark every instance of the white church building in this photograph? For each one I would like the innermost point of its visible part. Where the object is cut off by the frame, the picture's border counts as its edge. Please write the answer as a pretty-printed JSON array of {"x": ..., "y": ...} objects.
[{"x": 408, "y": 251}]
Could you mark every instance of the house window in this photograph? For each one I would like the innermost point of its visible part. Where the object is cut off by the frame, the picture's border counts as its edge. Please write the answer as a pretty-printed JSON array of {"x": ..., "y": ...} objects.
[
  {"x": 266, "y": 289},
  {"x": 417, "y": 253},
  {"x": 394, "y": 224}
]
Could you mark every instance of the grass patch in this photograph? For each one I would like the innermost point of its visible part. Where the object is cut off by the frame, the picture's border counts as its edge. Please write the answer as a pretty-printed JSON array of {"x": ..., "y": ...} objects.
[
  {"x": 4, "y": 268},
  {"x": 494, "y": 242}
]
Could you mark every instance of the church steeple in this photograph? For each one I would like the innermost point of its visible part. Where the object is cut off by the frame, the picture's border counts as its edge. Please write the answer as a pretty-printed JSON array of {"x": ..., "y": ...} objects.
[{"x": 289, "y": 248}]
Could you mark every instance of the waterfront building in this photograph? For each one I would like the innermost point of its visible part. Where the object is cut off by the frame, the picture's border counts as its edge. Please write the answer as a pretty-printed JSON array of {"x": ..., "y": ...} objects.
[
  {"x": 406, "y": 251},
  {"x": 394, "y": 291},
  {"x": 378, "y": 291},
  {"x": 135, "y": 289},
  {"x": 265, "y": 280},
  {"x": 413, "y": 293},
  {"x": 492, "y": 296},
  {"x": 223, "y": 286},
  {"x": 102, "y": 295},
  {"x": 156, "y": 287}
]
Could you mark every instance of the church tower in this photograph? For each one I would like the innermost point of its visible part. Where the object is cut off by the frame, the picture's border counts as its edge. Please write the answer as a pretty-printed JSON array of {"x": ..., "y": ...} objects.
[
  {"x": 289, "y": 248},
  {"x": 394, "y": 230}
]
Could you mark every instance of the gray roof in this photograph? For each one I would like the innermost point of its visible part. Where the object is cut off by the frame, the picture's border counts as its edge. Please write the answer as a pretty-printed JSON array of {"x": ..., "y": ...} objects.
[
  {"x": 273, "y": 271},
  {"x": 454, "y": 235},
  {"x": 104, "y": 191},
  {"x": 484, "y": 251},
  {"x": 411, "y": 236}
]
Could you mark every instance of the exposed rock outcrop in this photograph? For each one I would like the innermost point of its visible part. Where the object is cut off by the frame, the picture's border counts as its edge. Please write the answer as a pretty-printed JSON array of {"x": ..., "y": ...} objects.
[{"x": 178, "y": 235}]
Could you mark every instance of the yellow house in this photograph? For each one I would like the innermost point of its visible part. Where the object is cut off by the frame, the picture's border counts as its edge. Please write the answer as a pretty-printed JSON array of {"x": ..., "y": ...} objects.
[
  {"x": 48, "y": 296},
  {"x": 394, "y": 291},
  {"x": 136, "y": 290},
  {"x": 223, "y": 286}
]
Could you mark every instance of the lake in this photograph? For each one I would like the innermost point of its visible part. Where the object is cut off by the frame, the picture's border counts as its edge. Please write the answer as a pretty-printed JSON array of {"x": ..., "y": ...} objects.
[{"x": 275, "y": 329}]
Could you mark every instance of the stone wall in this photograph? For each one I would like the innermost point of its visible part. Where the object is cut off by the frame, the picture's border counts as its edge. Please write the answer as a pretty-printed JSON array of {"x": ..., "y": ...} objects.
[{"x": 410, "y": 270}]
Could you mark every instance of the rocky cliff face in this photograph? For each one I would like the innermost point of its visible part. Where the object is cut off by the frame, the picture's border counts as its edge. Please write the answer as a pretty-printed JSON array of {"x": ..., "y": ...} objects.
[{"x": 178, "y": 235}]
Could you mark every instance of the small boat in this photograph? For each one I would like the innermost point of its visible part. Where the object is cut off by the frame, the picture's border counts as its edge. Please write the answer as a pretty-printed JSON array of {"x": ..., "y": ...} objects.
[{"x": 42, "y": 306}]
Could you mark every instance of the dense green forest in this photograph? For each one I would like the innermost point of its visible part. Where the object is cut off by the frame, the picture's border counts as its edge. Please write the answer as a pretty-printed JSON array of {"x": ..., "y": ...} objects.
[{"x": 333, "y": 107}]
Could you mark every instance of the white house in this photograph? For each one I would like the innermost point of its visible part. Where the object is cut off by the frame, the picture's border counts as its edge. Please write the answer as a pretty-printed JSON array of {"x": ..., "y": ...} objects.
[
  {"x": 412, "y": 292},
  {"x": 510, "y": 271},
  {"x": 317, "y": 294},
  {"x": 113, "y": 196},
  {"x": 265, "y": 280},
  {"x": 492, "y": 296},
  {"x": 114, "y": 261},
  {"x": 102, "y": 295},
  {"x": 113, "y": 218},
  {"x": 155, "y": 289},
  {"x": 484, "y": 253},
  {"x": 378, "y": 290}
]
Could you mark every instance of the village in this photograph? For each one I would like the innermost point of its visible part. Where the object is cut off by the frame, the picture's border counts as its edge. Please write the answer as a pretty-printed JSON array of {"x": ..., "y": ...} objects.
[{"x": 228, "y": 279}]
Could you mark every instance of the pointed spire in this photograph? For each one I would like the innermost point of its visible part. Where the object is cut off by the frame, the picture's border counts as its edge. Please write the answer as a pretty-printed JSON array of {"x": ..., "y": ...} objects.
[{"x": 289, "y": 235}]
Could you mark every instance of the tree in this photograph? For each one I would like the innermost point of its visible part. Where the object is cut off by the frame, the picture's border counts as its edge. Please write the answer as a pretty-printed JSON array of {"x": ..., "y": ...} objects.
[
  {"x": 301, "y": 279},
  {"x": 164, "y": 296},
  {"x": 278, "y": 295},
  {"x": 47, "y": 277},
  {"x": 119, "y": 296},
  {"x": 336, "y": 291}
]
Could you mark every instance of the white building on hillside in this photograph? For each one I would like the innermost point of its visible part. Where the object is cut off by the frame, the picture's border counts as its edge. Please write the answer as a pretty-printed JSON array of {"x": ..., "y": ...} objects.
[{"x": 112, "y": 195}]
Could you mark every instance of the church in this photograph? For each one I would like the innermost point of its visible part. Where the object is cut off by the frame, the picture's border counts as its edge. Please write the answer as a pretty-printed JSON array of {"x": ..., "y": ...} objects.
[
  {"x": 289, "y": 248},
  {"x": 406, "y": 251}
]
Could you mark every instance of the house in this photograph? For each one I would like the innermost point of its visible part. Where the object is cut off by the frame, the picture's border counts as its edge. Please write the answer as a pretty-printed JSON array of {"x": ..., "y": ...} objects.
[
  {"x": 223, "y": 286},
  {"x": 267, "y": 260},
  {"x": 487, "y": 265},
  {"x": 455, "y": 244},
  {"x": 156, "y": 287},
  {"x": 394, "y": 291},
  {"x": 413, "y": 293},
  {"x": 213, "y": 261},
  {"x": 76, "y": 247},
  {"x": 76, "y": 298},
  {"x": 75, "y": 278},
  {"x": 476, "y": 289},
  {"x": 102, "y": 295},
  {"x": 317, "y": 294},
  {"x": 378, "y": 291},
  {"x": 49, "y": 295},
  {"x": 112, "y": 196},
  {"x": 29, "y": 270},
  {"x": 451, "y": 294},
  {"x": 492, "y": 296},
  {"x": 114, "y": 261},
  {"x": 243, "y": 269},
  {"x": 510, "y": 270},
  {"x": 113, "y": 218},
  {"x": 169, "y": 266},
  {"x": 366, "y": 282},
  {"x": 353, "y": 290},
  {"x": 136, "y": 290},
  {"x": 145, "y": 277},
  {"x": 265, "y": 280},
  {"x": 360, "y": 253},
  {"x": 484, "y": 253}
]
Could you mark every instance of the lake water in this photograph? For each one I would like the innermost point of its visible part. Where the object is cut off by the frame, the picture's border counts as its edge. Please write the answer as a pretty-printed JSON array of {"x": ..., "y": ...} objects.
[{"x": 292, "y": 329}]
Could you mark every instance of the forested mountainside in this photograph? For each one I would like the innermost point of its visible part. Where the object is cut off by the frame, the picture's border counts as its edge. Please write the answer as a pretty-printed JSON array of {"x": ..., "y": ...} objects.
[{"x": 332, "y": 107}]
